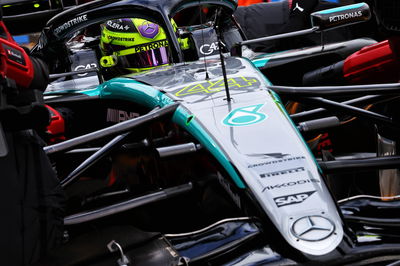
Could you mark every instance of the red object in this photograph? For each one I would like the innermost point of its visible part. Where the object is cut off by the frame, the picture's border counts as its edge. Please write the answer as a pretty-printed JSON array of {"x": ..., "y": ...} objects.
[
  {"x": 377, "y": 63},
  {"x": 250, "y": 2},
  {"x": 14, "y": 61},
  {"x": 56, "y": 128}
]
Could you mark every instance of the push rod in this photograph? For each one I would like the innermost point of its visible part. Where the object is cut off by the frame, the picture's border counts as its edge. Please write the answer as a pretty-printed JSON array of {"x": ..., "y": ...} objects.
[
  {"x": 113, "y": 130},
  {"x": 387, "y": 162},
  {"x": 280, "y": 36},
  {"x": 291, "y": 92},
  {"x": 384, "y": 222},
  {"x": 350, "y": 110},
  {"x": 369, "y": 99},
  {"x": 127, "y": 205},
  {"x": 94, "y": 158}
]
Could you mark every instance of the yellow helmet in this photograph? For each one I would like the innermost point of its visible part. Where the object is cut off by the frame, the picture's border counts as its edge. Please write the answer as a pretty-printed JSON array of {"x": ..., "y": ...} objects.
[{"x": 133, "y": 44}]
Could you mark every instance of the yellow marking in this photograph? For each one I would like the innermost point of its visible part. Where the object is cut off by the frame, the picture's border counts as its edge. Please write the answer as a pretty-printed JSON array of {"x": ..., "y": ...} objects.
[{"x": 216, "y": 86}]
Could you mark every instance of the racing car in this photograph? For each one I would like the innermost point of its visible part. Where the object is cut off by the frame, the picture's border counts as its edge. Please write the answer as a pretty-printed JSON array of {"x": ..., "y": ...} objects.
[{"x": 198, "y": 162}]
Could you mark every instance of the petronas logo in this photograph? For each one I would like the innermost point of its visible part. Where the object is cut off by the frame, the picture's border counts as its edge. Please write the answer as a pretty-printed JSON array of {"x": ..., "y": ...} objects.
[{"x": 245, "y": 116}]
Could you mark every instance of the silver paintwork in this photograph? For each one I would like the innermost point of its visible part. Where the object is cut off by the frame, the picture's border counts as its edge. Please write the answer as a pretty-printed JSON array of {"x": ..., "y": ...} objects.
[
  {"x": 273, "y": 144},
  {"x": 313, "y": 228}
]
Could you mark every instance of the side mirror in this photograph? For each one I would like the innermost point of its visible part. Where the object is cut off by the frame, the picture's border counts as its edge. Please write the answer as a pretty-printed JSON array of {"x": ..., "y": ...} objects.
[{"x": 341, "y": 16}]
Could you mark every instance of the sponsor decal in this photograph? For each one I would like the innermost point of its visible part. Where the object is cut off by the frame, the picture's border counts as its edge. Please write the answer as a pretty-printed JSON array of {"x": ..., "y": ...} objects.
[
  {"x": 42, "y": 41},
  {"x": 117, "y": 26},
  {"x": 245, "y": 116},
  {"x": 312, "y": 228},
  {"x": 283, "y": 172},
  {"x": 116, "y": 116},
  {"x": 213, "y": 86},
  {"x": 82, "y": 67},
  {"x": 268, "y": 155},
  {"x": 292, "y": 199},
  {"x": 148, "y": 29},
  {"x": 345, "y": 16},
  {"x": 291, "y": 184},
  {"x": 297, "y": 7},
  {"x": 293, "y": 158},
  {"x": 121, "y": 39},
  {"x": 14, "y": 55},
  {"x": 70, "y": 23},
  {"x": 227, "y": 186},
  {"x": 208, "y": 49},
  {"x": 150, "y": 46}
]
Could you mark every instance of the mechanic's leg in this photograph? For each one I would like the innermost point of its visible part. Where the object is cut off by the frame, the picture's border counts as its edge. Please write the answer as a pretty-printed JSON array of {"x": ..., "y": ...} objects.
[{"x": 33, "y": 199}]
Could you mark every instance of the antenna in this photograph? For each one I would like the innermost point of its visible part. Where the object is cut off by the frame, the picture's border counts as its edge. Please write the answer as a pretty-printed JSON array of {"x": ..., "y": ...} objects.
[
  {"x": 202, "y": 39},
  {"x": 221, "y": 56}
]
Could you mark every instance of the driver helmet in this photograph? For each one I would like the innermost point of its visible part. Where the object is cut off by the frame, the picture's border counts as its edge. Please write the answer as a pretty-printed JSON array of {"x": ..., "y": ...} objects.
[{"x": 133, "y": 45}]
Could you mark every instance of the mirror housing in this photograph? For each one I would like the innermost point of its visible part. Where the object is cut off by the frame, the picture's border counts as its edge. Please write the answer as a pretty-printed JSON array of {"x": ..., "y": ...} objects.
[{"x": 340, "y": 16}]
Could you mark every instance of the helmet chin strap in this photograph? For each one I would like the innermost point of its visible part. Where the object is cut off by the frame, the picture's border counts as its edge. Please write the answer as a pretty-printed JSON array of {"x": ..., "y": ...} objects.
[{"x": 108, "y": 61}]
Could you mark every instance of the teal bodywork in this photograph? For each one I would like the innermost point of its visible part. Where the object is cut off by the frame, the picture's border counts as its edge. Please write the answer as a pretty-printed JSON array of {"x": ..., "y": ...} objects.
[{"x": 139, "y": 93}]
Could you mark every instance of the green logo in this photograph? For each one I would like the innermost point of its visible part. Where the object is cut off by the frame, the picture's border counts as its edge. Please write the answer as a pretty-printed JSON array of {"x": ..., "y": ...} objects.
[{"x": 244, "y": 116}]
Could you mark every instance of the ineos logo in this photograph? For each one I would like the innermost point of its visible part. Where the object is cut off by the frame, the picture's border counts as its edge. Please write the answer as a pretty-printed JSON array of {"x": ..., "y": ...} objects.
[{"x": 207, "y": 49}]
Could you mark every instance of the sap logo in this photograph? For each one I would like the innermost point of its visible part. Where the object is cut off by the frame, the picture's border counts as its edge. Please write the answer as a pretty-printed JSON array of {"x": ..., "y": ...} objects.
[
  {"x": 117, "y": 26},
  {"x": 207, "y": 49},
  {"x": 292, "y": 199},
  {"x": 290, "y": 184},
  {"x": 116, "y": 116},
  {"x": 82, "y": 67},
  {"x": 345, "y": 16}
]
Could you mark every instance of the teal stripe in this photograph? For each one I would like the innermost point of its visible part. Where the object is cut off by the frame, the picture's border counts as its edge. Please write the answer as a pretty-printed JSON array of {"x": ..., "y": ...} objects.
[
  {"x": 260, "y": 62},
  {"x": 342, "y": 8},
  {"x": 94, "y": 92},
  {"x": 134, "y": 91},
  {"x": 196, "y": 129}
]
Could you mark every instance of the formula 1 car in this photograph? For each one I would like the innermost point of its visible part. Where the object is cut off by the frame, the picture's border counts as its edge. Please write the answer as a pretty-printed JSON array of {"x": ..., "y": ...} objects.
[{"x": 198, "y": 162}]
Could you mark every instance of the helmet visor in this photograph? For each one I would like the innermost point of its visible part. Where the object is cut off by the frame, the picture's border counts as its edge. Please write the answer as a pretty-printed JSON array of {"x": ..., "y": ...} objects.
[{"x": 146, "y": 59}]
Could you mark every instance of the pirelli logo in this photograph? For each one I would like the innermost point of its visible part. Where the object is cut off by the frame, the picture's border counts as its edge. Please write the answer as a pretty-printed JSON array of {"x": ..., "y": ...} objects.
[{"x": 283, "y": 172}]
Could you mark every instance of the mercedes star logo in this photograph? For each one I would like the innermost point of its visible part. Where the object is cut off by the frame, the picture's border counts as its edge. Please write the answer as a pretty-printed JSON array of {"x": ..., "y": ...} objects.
[
  {"x": 148, "y": 27},
  {"x": 312, "y": 228}
]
